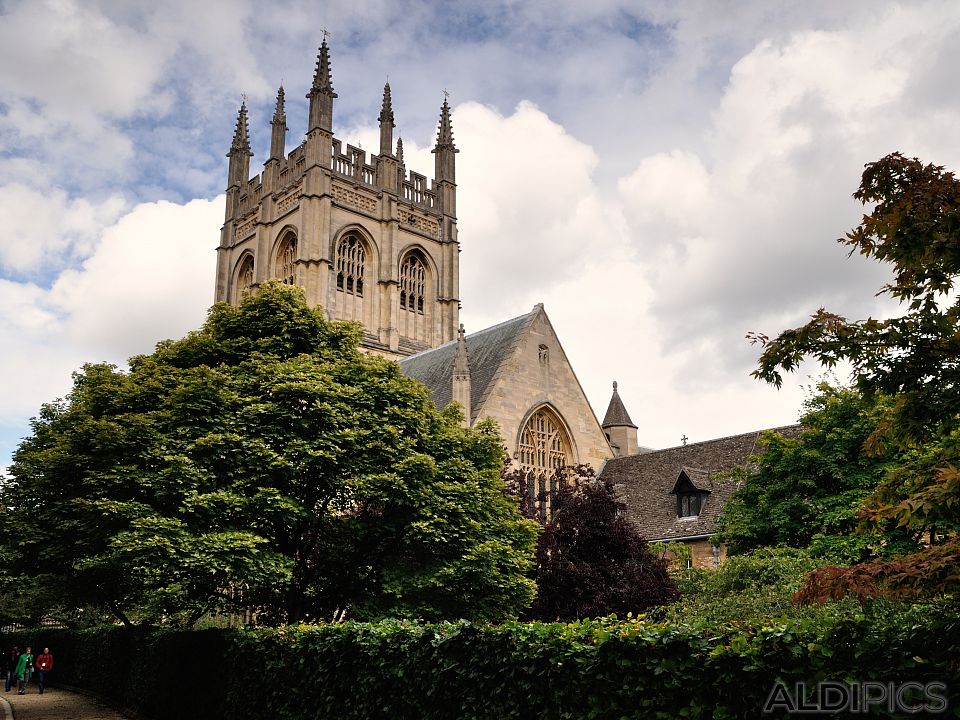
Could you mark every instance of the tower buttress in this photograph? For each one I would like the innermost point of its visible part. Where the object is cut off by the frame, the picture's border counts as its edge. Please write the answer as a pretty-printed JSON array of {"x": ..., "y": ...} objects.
[
  {"x": 461, "y": 376},
  {"x": 321, "y": 93},
  {"x": 278, "y": 136},
  {"x": 387, "y": 176},
  {"x": 445, "y": 174},
  {"x": 386, "y": 122},
  {"x": 238, "y": 171}
]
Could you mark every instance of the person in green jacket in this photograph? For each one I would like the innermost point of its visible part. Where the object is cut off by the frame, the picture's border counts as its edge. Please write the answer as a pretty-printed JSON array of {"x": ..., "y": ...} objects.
[{"x": 23, "y": 671}]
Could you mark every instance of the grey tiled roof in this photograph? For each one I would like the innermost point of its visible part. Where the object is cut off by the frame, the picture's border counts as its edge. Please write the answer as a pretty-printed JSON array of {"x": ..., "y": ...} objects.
[
  {"x": 645, "y": 482},
  {"x": 487, "y": 348}
]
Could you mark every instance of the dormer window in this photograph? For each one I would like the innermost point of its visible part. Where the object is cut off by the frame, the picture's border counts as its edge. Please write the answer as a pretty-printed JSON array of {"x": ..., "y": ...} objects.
[{"x": 690, "y": 497}]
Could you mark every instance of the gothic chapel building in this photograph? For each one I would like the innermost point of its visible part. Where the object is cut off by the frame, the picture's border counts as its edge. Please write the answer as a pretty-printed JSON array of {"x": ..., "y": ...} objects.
[{"x": 372, "y": 242}]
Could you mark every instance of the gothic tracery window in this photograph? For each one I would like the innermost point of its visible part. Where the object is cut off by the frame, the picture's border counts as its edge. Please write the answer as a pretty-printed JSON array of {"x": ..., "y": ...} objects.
[
  {"x": 286, "y": 257},
  {"x": 543, "y": 448},
  {"x": 245, "y": 277},
  {"x": 349, "y": 264},
  {"x": 413, "y": 283}
]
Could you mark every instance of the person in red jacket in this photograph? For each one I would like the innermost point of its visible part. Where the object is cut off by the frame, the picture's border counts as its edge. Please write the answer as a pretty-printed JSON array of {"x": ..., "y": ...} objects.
[{"x": 44, "y": 663}]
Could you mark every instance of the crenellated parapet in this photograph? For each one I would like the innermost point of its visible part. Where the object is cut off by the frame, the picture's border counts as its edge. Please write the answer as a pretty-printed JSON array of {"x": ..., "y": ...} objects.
[{"x": 367, "y": 238}]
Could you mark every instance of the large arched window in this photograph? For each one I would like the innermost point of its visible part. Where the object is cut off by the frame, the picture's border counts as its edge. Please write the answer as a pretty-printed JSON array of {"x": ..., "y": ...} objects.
[
  {"x": 286, "y": 258},
  {"x": 245, "y": 277},
  {"x": 349, "y": 263},
  {"x": 542, "y": 449},
  {"x": 413, "y": 283}
]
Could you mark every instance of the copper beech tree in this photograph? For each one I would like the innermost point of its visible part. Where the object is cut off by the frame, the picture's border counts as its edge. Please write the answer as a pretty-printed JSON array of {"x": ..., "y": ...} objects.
[{"x": 915, "y": 358}]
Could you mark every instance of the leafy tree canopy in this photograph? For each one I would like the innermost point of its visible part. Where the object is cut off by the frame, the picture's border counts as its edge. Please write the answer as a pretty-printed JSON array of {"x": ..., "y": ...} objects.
[
  {"x": 591, "y": 560},
  {"x": 914, "y": 225},
  {"x": 806, "y": 491},
  {"x": 263, "y": 461}
]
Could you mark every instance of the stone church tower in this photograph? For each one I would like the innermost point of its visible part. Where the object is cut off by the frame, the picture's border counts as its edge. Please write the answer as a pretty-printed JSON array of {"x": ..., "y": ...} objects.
[{"x": 367, "y": 240}]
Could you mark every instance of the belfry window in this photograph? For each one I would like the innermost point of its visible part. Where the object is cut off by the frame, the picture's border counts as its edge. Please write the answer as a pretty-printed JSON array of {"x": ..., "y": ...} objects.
[
  {"x": 245, "y": 278},
  {"x": 413, "y": 282},
  {"x": 543, "y": 448},
  {"x": 286, "y": 257},
  {"x": 349, "y": 264}
]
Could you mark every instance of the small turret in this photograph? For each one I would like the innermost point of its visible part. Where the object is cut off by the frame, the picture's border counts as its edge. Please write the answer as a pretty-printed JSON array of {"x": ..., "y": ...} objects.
[
  {"x": 321, "y": 93},
  {"x": 239, "y": 169},
  {"x": 461, "y": 376},
  {"x": 445, "y": 149},
  {"x": 386, "y": 122},
  {"x": 619, "y": 428},
  {"x": 278, "y": 136},
  {"x": 445, "y": 163}
]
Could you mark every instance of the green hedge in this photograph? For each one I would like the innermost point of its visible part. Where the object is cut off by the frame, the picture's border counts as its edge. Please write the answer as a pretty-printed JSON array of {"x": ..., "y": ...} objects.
[{"x": 399, "y": 670}]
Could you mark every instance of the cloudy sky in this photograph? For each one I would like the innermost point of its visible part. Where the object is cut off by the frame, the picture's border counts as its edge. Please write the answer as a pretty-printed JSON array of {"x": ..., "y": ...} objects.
[{"x": 665, "y": 176}]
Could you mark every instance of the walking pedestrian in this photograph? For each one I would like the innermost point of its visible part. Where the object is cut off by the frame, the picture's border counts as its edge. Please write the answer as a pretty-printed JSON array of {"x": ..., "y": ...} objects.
[
  {"x": 44, "y": 665},
  {"x": 10, "y": 665},
  {"x": 24, "y": 670}
]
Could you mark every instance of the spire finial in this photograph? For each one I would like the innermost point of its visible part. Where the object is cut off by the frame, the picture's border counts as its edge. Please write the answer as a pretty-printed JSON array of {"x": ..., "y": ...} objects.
[
  {"x": 386, "y": 109},
  {"x": 445, "y": 131},
  {"x": 400, "y": 150},
  {"x": 461, "y": 334},
  {"x": 279, "y": 113},
  {"x": 241, "y": 135},
  {"x": 614, "y": 385},
  {"x": 322, "y": 79}
]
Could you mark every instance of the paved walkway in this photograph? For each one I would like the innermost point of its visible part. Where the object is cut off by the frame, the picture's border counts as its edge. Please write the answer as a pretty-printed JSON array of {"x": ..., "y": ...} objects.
[{"x": 54, "y": 704}]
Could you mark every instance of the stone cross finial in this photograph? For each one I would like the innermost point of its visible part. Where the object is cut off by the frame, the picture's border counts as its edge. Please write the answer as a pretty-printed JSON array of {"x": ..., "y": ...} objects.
[
  {"x": 614, "y": 385},
  {"x": 684, "y": 439},
  {"x": 461, "y": 332}
]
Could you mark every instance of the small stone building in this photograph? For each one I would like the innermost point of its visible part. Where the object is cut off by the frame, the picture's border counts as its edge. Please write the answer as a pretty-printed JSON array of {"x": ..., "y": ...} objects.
[{"x": 677, "y": 494}]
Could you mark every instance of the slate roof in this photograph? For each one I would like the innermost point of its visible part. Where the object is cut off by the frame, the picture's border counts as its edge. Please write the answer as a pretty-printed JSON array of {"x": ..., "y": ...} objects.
[
  {"x": 488, "y": 349},
  {"x": 645, "y": 482},
  {"x": 616, "y": 413}
]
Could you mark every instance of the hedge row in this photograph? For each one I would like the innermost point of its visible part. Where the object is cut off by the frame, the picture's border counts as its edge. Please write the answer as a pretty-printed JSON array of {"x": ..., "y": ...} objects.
[{"x": 597, "y": 669}]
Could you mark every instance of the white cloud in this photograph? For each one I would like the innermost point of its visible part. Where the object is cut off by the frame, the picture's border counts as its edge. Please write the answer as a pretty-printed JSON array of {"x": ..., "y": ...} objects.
[
  {"x": 738, "y": 236},
  {"x": 46, "y": 229},
  {"x": 150, "y": 277}
]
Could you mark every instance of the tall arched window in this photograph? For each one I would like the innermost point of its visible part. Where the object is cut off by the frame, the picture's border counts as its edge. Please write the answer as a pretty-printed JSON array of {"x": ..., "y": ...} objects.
[
  {"x": 350, "y": 260},
  {"x": 543, "y": 447},
  {"x": 286, "y": 257},
  {"x": 413, "y": 283},
  {"x": 245, "y": 278}
]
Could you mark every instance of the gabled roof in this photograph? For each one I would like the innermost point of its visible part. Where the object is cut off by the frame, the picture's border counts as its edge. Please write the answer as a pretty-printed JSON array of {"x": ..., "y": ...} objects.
[
  {"x": 692, "y": 480},
  {"x": 646, "y": 482},
  {"x": 489, "y": 348},
  {"x": 616, "y": 413}
]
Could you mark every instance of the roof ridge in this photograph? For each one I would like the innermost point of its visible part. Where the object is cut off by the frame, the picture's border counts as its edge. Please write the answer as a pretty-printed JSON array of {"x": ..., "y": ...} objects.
[
  {"x": 470, "y": 335},
  {"x": 730, "y": 437}
]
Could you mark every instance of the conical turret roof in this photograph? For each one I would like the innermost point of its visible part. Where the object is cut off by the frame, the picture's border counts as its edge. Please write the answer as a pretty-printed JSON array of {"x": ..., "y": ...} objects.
[{"x": 617, "y": 414}]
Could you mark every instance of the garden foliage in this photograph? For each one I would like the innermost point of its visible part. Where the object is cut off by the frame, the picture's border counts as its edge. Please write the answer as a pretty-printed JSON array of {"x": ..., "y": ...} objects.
[
  {"x": 262, "y": 461},
  {"x": 588, "y": 670}
]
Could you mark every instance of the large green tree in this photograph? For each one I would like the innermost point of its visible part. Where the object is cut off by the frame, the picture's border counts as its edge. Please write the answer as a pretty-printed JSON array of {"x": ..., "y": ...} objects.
[
  {"x": 806, "y": 491},
  {"x": 263, "y": 461},
  {"x": 913, "y": 224}
]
